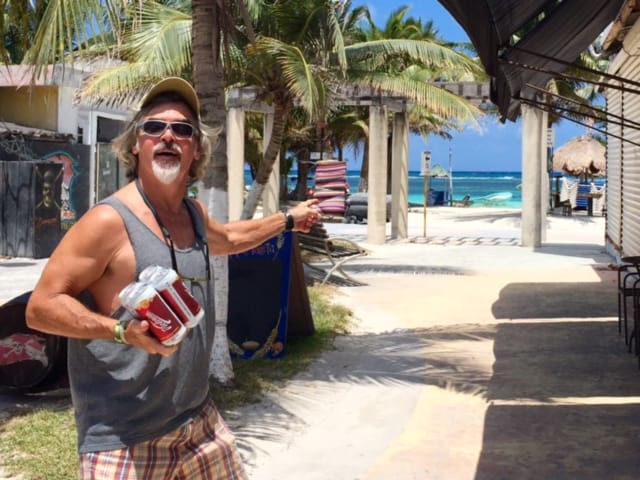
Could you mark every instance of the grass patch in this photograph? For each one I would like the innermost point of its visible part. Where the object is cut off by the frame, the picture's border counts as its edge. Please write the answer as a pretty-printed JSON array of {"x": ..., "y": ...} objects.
[
  {"x": 254, "y": 377},
  {"x": 39, "y": 442}
]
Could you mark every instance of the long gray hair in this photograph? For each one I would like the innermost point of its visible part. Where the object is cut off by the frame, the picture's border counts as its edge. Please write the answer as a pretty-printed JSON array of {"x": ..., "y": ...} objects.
[{"x": 206, "y": 139}]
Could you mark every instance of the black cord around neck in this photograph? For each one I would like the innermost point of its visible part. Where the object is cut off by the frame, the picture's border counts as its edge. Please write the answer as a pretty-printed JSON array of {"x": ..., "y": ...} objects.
[{"x": 167, "y": 235}]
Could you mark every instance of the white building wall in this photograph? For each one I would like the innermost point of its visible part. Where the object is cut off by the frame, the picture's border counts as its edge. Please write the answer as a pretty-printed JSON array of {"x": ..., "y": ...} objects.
[
  {"x": 613, "y": 242},
  {"x": 67, "y": 111},
  {"x": 623, "y": 155}
]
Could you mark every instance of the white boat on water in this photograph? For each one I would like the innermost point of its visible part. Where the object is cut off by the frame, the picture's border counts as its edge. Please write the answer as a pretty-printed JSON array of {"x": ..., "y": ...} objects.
[{"x": 495, "y": 198}]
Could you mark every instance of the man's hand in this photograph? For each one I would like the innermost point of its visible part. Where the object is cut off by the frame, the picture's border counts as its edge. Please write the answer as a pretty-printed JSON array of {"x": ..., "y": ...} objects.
[
  {"x": 305, "y": 215},
  {"x": 137, "y": 334}
]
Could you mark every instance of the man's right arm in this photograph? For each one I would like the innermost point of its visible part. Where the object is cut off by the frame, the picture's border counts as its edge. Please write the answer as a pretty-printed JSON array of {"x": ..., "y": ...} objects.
[
  {"x": 87, "y": 253},
  {"x": 76, "y": 264}
]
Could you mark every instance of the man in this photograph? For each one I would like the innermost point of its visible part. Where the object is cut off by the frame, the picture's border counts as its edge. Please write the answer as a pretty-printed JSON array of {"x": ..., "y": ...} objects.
[{"x": 143, "y": 408}]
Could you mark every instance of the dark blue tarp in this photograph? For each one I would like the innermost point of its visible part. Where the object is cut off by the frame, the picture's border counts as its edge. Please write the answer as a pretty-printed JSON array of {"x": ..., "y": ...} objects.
[{"x": 546, "y": 30}]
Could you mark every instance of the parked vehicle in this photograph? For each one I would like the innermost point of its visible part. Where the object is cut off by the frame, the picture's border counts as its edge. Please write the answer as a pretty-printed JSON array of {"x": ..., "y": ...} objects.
[{"x": 357, "y": 208}]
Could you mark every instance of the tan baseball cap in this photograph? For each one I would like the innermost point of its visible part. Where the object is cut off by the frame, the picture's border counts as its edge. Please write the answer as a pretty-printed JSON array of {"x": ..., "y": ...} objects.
[{"x": 177, "y": 85}]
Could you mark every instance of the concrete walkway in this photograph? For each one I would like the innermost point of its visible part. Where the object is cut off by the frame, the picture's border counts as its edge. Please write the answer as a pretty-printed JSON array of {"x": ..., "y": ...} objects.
[{"x": 468, "y": 361}]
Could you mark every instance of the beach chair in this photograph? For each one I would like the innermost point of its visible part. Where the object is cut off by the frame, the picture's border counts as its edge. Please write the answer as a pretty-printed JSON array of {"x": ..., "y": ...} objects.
[
  {"x": 320, "y": 248},
  {"x": 599, "y": 204},
  {"x": 568, "y": 196},
  {"x": 582, "y": 202}
]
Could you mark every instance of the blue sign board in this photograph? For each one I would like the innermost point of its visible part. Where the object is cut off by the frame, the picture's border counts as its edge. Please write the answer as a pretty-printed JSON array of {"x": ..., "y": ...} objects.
[{"x": 259, "y": 282}]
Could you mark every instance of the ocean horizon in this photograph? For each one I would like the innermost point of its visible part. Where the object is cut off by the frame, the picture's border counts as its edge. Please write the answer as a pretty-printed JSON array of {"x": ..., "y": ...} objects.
[{"x": 484, "y": 188}]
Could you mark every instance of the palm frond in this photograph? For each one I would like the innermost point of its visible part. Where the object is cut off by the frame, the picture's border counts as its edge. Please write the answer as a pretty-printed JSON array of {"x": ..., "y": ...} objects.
[
  {"x": 66, "y": 27},
  {"x": 122, "y": 85},
  {"x": 162, "y": 37},
  {"x": 296, "y": 72},
  {"x": 157, "y": 44},
  {"x": 438, "y": 100},
  {"x": 425, "y": 53}
]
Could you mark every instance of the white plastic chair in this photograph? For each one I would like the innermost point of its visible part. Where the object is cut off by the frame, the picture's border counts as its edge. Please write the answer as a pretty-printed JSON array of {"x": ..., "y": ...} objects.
[{"x": 599, "y": 203}]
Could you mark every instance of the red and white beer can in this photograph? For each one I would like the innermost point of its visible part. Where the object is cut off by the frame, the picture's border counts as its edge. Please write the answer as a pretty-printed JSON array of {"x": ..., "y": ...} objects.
[
  {"x": 143, "y": 300},
  {"x": 173, "y": 290},
  {"x": 147, "y": 274}
]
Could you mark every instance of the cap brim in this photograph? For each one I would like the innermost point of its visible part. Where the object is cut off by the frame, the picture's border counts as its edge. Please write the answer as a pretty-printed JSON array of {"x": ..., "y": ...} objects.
[{"x": 177, "y": 85}]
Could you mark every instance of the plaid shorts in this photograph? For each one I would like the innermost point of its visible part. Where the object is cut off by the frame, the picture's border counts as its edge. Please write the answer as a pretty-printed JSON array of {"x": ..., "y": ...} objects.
[{"x": 202, "y": 449}]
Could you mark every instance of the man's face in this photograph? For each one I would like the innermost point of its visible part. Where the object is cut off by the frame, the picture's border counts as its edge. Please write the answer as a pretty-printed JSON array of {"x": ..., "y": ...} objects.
[{"x": 166, "y": 153}]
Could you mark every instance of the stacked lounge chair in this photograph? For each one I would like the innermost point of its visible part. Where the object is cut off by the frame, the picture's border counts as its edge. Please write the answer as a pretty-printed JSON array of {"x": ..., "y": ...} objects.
[
  {"x": 331, "y": 187},
  {"x": 583, "y": 188}
]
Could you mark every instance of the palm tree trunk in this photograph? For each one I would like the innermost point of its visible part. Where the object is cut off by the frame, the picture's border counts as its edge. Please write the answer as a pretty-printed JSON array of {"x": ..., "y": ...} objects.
[
  {"x": 208, "y": 77},
  {"x": 389, "y": 162},
  {"x": 300, "y": 192},
  {"x": 364, "y": 171},
  {"x": 280, "y": 114}
]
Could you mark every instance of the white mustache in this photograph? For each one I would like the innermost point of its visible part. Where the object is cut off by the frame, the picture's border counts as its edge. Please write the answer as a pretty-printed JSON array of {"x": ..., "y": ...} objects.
[{"x": 167, "y": 147}]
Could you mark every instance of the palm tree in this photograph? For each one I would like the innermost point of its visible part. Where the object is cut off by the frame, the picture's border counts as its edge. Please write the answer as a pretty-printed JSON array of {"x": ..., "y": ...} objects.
[
  {"x": 285, "y": 63},
  {"x": 298, "y": 61},
  {"x": 433, "y": 111},
  {"x": 309, "y": 60},
  {"x": 153, "y": 40},
  {"x": 211, "y": 19},
  {"x": 18, "y": 23}
]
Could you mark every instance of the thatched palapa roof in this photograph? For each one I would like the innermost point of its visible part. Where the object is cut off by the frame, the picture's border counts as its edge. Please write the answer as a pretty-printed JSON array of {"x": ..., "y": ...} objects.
[{"x": 581, "y": 156}]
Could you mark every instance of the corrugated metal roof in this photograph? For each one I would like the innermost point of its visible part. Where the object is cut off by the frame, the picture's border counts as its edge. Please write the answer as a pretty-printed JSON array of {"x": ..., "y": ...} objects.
[
  {"x": 8, "y": 129},
  {"x": 524, "y": 44},
  {"x": 21, "y": 76}
]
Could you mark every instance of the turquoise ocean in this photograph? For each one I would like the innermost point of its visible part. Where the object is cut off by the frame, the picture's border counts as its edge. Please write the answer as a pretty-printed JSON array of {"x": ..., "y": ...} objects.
[{"x": 486, "y": 189}]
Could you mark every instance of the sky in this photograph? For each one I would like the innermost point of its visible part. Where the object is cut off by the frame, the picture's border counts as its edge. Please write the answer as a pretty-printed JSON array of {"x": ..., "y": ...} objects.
[{"x": 493, "y": 147}]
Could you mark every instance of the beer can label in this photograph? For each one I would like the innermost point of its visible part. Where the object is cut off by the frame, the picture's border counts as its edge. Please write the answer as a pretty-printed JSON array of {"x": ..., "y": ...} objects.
[
  {"x": 147, "y": 303},
  {"x": 184, "y": 303},
  {"x": 175, "y": 292}
]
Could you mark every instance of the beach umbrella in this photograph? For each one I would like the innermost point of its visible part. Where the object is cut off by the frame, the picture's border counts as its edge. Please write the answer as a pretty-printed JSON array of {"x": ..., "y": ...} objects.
[
  {"x": 438, "y": 171},
  {"x": 581, "y": 156}
]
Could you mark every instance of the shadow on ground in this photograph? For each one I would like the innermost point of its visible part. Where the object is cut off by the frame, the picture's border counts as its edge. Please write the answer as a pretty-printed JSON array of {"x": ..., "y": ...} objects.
[
  {"x": 594, "y": 253},
  {"x": 17, "y": 264},
  {"x": 591, "y": 251},
  {"x": 564, "y": 404},
  {"x": 396, "y": 268},
  {"x": 563, "y": 397},
  {"x": 559, "y": 299},
  {"x": 562, "y": 392},
  {"x": 482, "y": 215},
  {"x": 434, "y": 356}
]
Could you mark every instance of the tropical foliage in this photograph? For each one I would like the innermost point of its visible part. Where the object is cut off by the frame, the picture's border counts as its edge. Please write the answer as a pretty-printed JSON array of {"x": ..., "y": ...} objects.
[{"x": 298, "y": 55}]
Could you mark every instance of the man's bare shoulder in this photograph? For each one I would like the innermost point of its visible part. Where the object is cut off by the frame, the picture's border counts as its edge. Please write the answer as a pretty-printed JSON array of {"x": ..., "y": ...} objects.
[
  {"x": 102, "y": 217},
  {"x": 105, "y": 216}
]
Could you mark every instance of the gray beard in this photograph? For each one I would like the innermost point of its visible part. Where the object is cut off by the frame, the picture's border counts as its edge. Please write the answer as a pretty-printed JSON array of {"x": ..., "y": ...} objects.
[{"x": 165, "y": 173}]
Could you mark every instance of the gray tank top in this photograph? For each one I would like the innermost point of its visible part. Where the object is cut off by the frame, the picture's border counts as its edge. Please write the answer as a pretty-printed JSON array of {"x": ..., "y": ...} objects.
[{"x": 121, "y": 394}]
